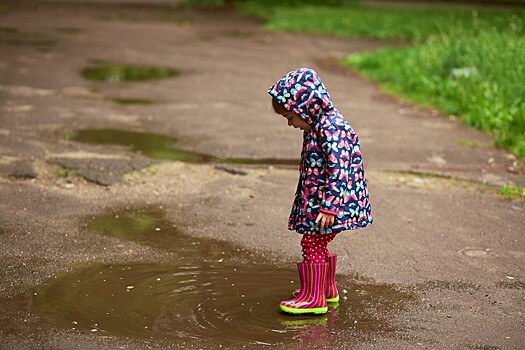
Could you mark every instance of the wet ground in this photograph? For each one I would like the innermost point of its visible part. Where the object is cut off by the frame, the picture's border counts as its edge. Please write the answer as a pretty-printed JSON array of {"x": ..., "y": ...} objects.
[
  {"x": 202, "y": 294},
  {"x": 145, "y": 206}
]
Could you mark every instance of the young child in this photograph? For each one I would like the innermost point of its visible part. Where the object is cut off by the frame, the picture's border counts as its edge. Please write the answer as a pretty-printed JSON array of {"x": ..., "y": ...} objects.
[{"x": 331, "y": 196}]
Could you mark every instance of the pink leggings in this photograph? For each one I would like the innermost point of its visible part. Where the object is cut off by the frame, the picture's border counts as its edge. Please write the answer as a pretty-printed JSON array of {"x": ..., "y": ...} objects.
[{"x": 315, "y": 247}]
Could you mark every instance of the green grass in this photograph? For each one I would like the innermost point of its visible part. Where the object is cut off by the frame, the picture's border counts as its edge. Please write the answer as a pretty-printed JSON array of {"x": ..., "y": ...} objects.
[
  {"x": 478, "y": 77},
  {"x": 513, "y": 193},
  {"x": 463, "y": 62},
  {"x": 469, "y": 143},
  {"x": 372, "y": 22}
]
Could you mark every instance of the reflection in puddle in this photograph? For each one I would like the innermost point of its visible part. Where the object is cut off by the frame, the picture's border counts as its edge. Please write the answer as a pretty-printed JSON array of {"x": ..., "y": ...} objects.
[
  {"x": 212, "y": 291},
  {"x": 161, "y": 147}
]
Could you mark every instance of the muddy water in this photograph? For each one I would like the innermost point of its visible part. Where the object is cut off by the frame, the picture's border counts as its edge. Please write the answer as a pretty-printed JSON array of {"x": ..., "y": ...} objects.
[
  {"x": 211, "y": 292},
  {"x": 131, "y": 101},
  {"x": 117, "y": 72},
  {"x": 160, "y": 146}
]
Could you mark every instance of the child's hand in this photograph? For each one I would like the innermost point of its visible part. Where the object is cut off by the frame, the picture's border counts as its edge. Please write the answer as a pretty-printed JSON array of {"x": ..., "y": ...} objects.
[{"x": 327, "y": 220}]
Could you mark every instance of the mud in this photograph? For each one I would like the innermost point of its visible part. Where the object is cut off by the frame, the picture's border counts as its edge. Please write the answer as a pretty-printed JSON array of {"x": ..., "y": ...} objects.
[{"x": 201, "y": 295}]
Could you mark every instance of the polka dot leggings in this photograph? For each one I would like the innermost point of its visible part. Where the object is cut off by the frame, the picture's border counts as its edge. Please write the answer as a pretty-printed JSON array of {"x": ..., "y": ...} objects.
[{"x": 315, "y": 247}]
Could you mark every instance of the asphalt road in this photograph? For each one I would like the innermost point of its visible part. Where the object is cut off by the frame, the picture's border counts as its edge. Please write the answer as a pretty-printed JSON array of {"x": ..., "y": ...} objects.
[{"x": 441, "y": 235}]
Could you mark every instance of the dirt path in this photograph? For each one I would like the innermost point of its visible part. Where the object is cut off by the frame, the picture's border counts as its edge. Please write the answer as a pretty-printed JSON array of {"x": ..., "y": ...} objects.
[{"x": 447, "y": 241}]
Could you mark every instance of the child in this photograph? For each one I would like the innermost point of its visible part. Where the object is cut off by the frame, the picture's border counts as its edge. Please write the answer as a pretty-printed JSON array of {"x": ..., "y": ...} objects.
[{"x": 331, "y": 196}]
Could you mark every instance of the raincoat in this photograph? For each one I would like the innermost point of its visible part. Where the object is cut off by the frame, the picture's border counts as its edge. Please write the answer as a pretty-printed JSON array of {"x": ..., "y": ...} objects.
[{"x": 331, "y": 174}]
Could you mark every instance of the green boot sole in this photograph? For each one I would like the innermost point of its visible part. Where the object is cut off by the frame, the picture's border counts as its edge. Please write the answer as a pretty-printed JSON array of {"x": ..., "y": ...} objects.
[
  {"x": 314, "y": 310},
  {"x": 333, "y": 300}
]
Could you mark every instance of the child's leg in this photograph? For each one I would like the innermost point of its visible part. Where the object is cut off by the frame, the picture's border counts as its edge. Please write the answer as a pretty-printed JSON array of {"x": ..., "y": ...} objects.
[
  {"x": 315, "y": 247},
  {"x": 315, "y": 251}
]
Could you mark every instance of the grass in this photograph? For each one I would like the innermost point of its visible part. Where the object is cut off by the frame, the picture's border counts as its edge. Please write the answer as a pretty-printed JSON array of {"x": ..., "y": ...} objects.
[
  {"x": 66, "y": 134},
  {"x": 463, "y": 62},
  {"x": 371, "y": 22},
  {"x": 469, "y": 143},
  {"x": 476, "y": 76},
  {"x": 513, "y": 193}
]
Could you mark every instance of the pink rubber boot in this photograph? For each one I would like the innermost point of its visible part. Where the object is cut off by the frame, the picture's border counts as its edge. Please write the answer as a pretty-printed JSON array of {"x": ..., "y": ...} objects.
[
  {"x": 311, "y": 298},
  {"x": 332, "y": 295}
]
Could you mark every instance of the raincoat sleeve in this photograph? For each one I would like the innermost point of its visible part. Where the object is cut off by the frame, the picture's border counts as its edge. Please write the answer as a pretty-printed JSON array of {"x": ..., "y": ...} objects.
[{"x": 336, "y": 149}]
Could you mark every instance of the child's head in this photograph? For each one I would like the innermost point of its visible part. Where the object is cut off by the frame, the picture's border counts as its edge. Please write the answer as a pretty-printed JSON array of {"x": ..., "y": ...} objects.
[
  {"x": 301, "y": 97},
  {"x": 293, "y": 119}
]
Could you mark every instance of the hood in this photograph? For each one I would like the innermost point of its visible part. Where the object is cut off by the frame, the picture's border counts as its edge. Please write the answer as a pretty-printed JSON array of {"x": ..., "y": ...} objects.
[{"x": 301, "y": 91}]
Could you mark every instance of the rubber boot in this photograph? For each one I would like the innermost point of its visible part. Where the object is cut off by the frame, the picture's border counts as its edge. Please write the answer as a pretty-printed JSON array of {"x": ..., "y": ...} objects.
[
  {"x": 332, "y": 295},
  {"x": 312, "y": 297},
  {"x": 301, "y": 268}
]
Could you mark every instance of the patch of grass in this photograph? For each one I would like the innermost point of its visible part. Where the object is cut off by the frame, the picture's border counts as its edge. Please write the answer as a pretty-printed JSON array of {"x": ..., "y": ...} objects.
[
  {"x": 475, "y": 76},
  {"x": 469, "y": 143},
  {"x": 464, "y": 62},
  {"x": 63, "y": 171},
  {"x": 66, "y": 134},
  {"x": 152, "y": 169},
  {"x": 371, "y": 22},
  {"x": 513, "y": 193},
  {"x": 116, "y": 72}
]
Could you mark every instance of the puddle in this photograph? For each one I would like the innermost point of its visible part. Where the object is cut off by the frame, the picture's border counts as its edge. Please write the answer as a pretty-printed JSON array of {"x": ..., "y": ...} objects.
[
  {"x": 8, "y": 30},
  {"x": 116, "y": 72},
  {"x": 39, "y": 41},
  {"x": 4, "y": 8},
  {"x": 161, "y": 147},
  {"x": 69, "y": 30},
  {"x": 38, "y": 44},
  {"x": 132, "y": 101},
  {"x": 211, "y": 292}
]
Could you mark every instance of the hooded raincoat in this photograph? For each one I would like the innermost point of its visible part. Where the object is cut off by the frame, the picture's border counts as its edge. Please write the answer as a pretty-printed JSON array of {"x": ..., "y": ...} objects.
[{"x": 331, "y": 174}]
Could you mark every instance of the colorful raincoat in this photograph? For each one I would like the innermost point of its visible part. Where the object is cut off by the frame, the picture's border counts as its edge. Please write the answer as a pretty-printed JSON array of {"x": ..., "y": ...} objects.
[{"x": 332, "y": 178}]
